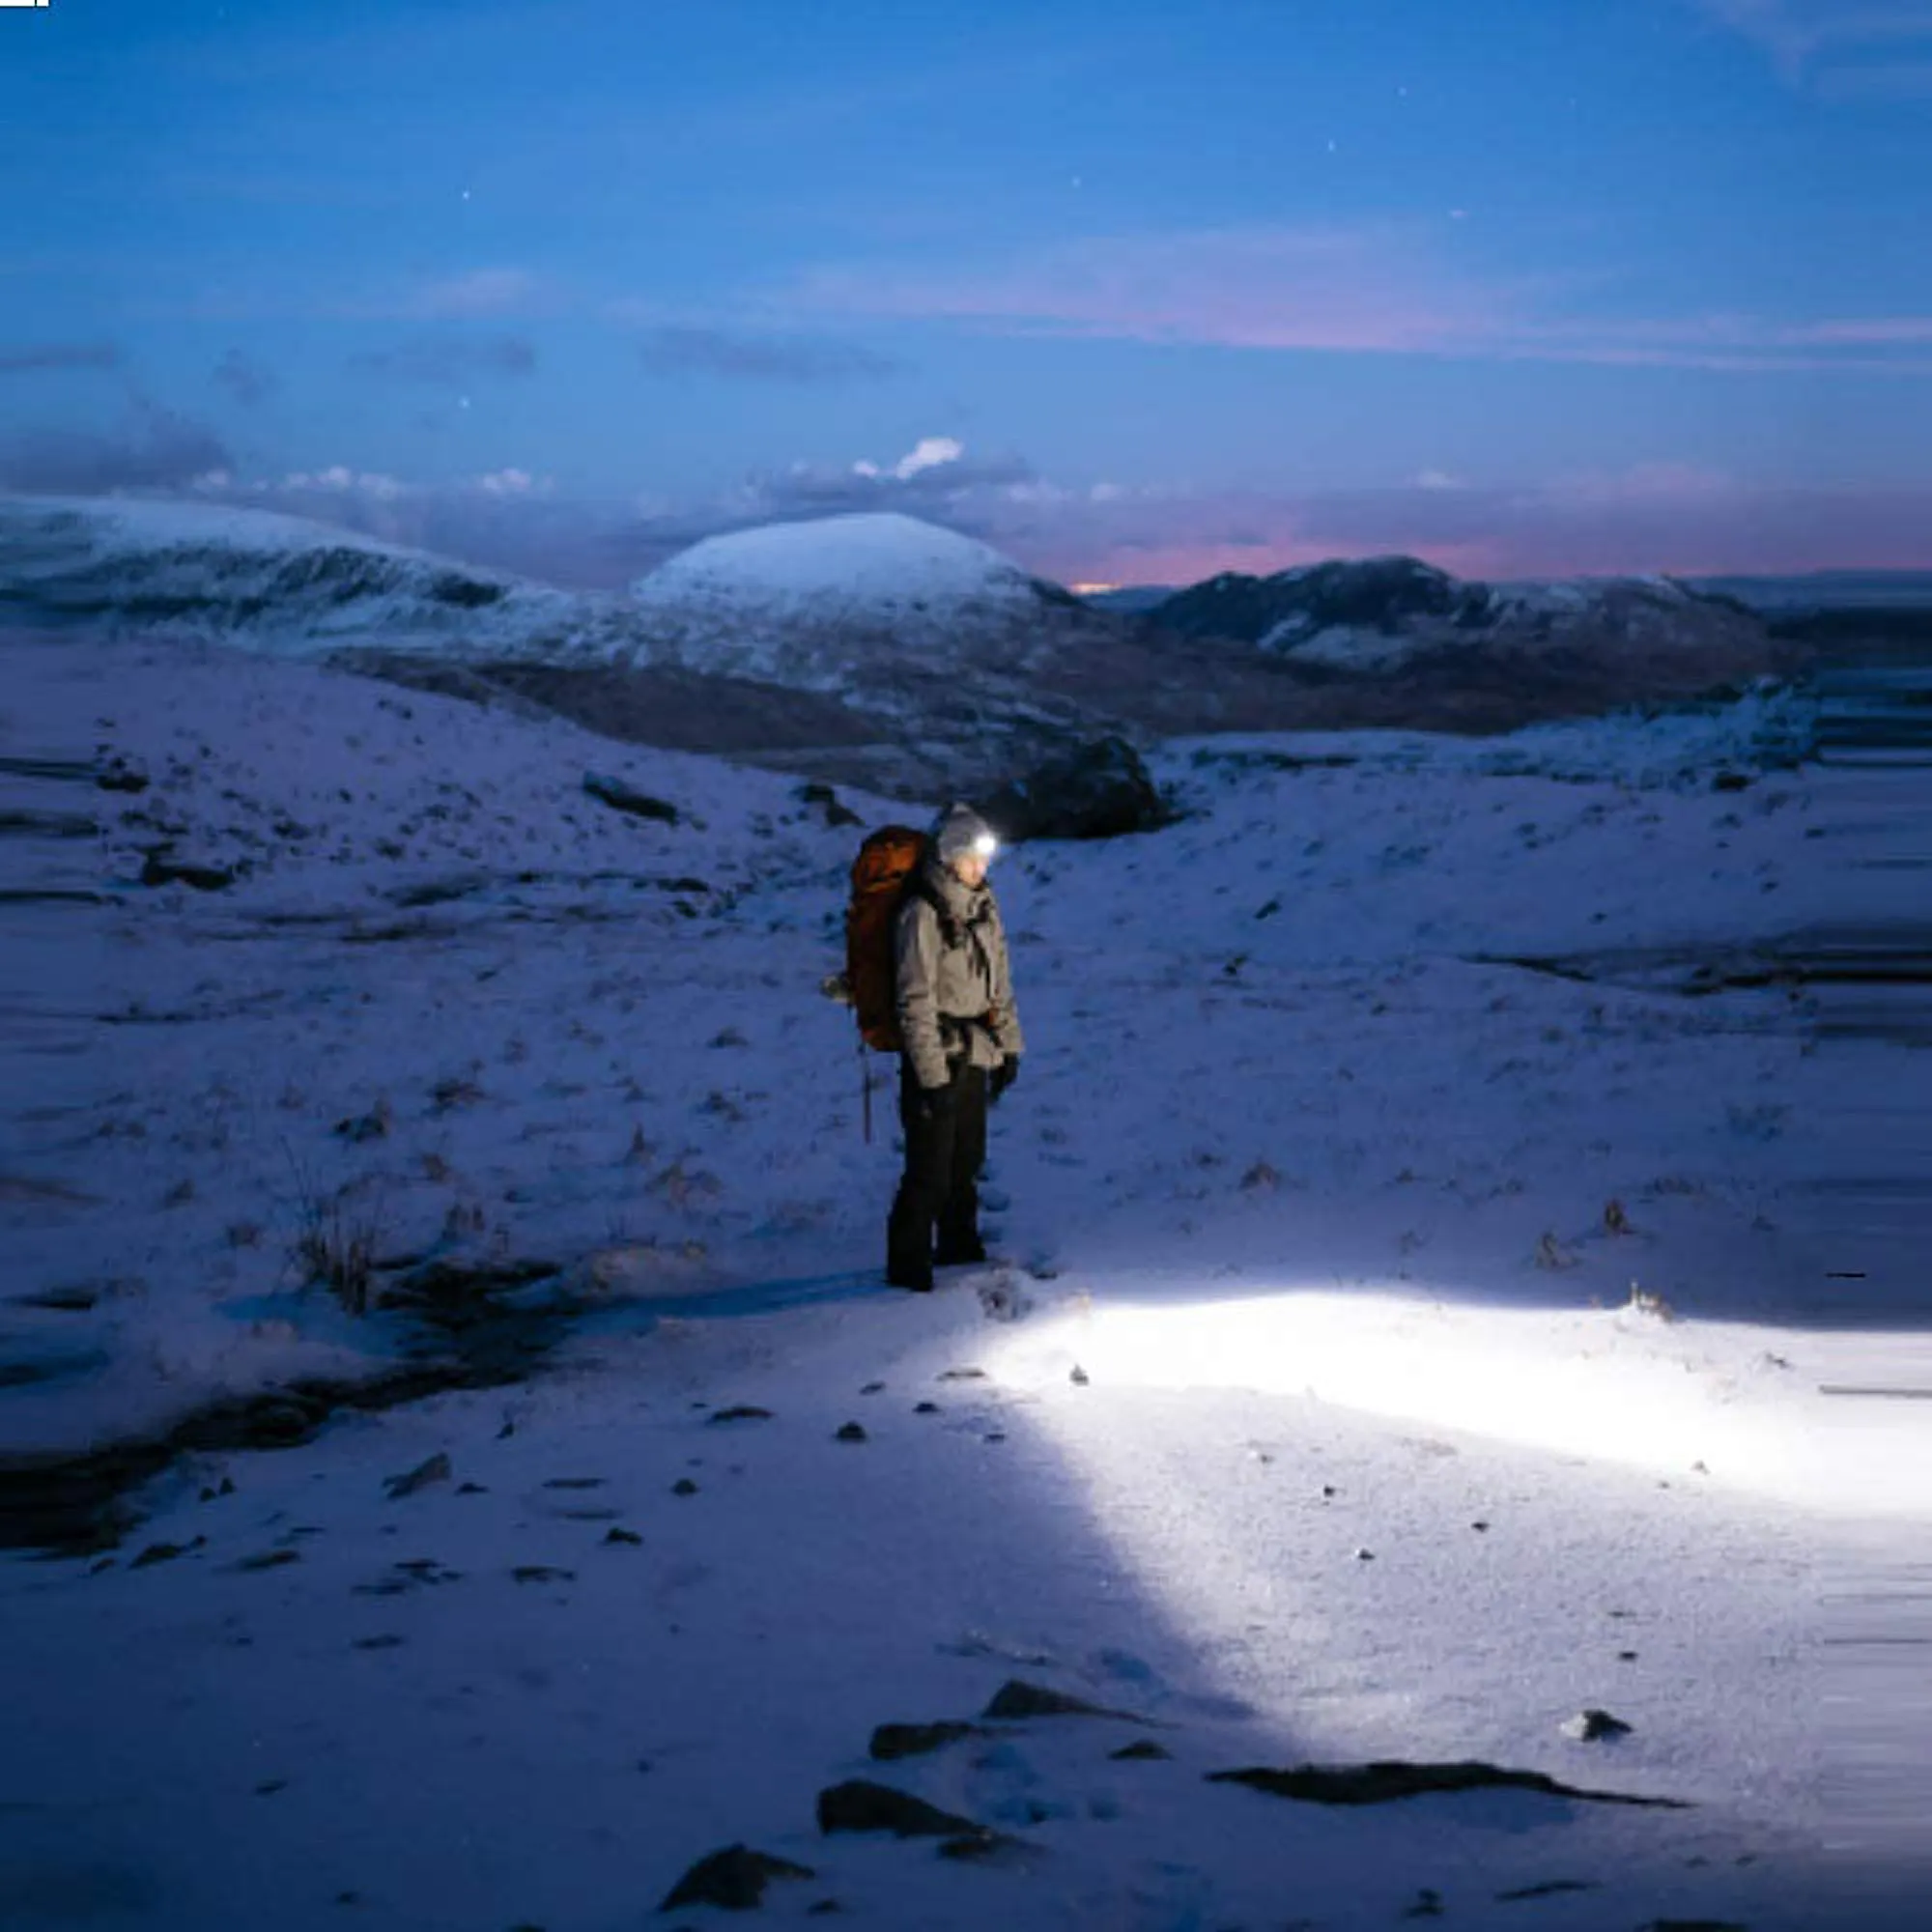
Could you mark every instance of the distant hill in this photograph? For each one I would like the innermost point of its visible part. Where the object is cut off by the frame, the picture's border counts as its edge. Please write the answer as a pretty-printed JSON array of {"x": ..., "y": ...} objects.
[
  {"x": 281, "y": 585},
  {"x": 1395, "y": 616},
  {"x": 883, "y": 649},
  {"x": 825, "y": 604},
  {"x": 1129, "y": 600}
]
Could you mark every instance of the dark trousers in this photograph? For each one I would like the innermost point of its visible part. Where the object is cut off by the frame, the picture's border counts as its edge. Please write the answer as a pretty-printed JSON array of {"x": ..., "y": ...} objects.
[{"x": 939, "y": 1192}]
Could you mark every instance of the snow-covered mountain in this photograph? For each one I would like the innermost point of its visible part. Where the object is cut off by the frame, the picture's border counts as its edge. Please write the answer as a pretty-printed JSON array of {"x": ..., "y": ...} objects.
[
  {"x": 1382, "y": 616},
  {"x": 879, "y": 649},
  {"x": 818, "y": 603},
  {"x": 281, "y": 585}
]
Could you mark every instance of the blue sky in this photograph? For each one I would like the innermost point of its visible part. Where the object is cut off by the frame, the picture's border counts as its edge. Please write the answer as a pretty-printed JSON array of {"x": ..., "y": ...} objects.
[{"x": 1136, "y": 291}]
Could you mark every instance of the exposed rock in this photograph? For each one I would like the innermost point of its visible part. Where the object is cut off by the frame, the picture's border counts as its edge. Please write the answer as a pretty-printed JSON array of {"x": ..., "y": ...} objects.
[
  {"x": 622, "y": 797},
  {"x": 744, "y": 1411},
  {"x": 896, "y": 1741},
  {"x": 1589, "y": 1725},
  {"x": 1099, "y": 790},
  {"x": 436, "y": 1469},
  {"x": 987, "y": 1848},
  {"x": 165, "y": 1552},
  {"x": 542, "y": 1573},
  {"x": 861, "y": 1806},
  {"x": 119, "y": 773},
  {"x": 1141, "y": 1750},
  {"x": 374, "y": 1126},
  {"x": 734, "y": 1878},
  {"x": 1386, "y": 1781},
  {"x": 1016, "y": 1699},
  {"x": 850, "y": 1432},
  {"x": 158, "y": 870},
  {"x": 269, "y": 1559},
  {"x": 827, "y": 800}
]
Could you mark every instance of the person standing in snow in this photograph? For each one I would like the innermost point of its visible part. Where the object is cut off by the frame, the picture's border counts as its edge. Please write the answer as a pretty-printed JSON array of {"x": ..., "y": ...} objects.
[{"x": 961, "y": 1047}]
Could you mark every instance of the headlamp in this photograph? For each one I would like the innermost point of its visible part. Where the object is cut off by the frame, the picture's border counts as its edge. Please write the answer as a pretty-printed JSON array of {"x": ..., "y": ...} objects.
[{"x": 985, "y": 845}]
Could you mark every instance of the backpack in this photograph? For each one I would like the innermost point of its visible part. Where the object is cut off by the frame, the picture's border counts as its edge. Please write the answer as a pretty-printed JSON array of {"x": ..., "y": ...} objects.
[{"x": 882, "y": 875}]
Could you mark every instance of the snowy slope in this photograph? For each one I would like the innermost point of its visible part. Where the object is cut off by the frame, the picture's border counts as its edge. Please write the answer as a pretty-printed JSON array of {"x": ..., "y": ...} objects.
[
  {"x": 275, "y": 583},
  {"x": 1374, "y": 1452},
  {"x": 808, "y": 603}
]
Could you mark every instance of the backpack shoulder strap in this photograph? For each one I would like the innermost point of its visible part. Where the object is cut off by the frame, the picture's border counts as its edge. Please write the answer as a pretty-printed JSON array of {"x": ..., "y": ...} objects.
[{"x": 918, "y": 886}]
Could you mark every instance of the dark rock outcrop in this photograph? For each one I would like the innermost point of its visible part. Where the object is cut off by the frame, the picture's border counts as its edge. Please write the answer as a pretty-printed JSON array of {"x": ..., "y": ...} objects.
[
  {"x": 734, "y": 1879},
  {"x": 627, "y": 798},
  {"x": 860, "y": 1805},
  {"x": 896, "y": 1741},
  {"x": 1387, "y": 1781},
  {"x": 1016, "y": 1700},
  {"x": 1097, "y": 790}
]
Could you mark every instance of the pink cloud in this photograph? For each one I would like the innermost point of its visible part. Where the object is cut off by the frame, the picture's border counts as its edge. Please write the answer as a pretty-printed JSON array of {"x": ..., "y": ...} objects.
[
  {"x": 1390, "y": 291},
  {"x": 1252, "y": 288},
  {"x": 1654, "y": 517}
]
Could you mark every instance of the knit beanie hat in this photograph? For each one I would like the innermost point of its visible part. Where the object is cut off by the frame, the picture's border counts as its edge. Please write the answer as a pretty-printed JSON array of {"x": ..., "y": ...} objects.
[{"x": 959, "y": 830}]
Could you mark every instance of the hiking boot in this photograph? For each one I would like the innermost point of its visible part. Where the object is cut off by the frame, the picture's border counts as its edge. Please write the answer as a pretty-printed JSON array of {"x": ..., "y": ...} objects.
[
  {"x": 909, "y": 1279},
  {"x": 960, "y": 1254}
]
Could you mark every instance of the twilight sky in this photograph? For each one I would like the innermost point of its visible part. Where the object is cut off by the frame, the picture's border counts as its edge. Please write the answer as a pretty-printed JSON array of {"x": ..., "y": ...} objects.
[{"x": 1136, "y": 291}]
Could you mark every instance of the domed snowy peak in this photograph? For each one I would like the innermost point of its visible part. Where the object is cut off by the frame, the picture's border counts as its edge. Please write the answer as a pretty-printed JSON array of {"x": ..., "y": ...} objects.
[
  {"x": 266, "y": 581},
  {"x": 807, "y": 604}
]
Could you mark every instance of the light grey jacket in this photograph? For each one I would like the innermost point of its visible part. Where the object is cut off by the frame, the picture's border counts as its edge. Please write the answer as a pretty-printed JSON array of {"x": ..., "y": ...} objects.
[{"x": 953, "y": 1000}]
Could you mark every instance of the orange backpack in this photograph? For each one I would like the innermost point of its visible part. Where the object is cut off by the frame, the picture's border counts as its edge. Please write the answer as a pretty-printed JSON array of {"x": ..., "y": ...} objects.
[{"x": 881, "y": 874}]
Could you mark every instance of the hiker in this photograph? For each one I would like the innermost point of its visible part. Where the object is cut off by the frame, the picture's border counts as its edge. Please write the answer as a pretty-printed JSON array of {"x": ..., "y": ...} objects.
[{"x": 959, "y": 1046}]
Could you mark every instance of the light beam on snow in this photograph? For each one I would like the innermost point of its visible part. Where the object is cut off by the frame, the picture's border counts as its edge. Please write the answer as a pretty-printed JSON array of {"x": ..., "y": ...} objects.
[{"x": 1687, "y": 1400}]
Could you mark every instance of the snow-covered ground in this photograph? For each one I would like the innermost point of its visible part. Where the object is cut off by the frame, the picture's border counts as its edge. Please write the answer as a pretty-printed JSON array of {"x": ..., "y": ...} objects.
[{"x": 1429, "y": 1287}]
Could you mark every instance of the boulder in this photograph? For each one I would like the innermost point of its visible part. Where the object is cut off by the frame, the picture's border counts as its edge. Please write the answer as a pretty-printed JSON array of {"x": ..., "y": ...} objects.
[
  {"x": 1099, "y": 790},
  {"x": 734, "y": 1879},
  {"x": 621, "y": 796}
]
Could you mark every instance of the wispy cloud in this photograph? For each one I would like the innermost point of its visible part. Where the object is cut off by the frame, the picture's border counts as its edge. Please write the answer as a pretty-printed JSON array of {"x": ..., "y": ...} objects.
[
  {"x": 1255, "y": 288},
  {"x": 1668, "y": 514},
  {"x": 451, "y": 363},
  {"x": 1840, "y": 48},
  {"x": 155, "y": 448},
  {"x": 1388, "y": 291},
  {"x": 758, "y": 359},
  {"x": 50, "y": 356},
  {"x": 482, "y": 291}
]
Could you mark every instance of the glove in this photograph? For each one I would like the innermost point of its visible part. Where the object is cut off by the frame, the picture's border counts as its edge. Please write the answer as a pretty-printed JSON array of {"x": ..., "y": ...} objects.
[{"x": 1002, "y": 1076}]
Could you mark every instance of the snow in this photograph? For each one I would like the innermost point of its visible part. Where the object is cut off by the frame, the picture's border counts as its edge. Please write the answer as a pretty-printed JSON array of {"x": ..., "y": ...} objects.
[
  {"x": 1310, "y": 1174},
  {"x": 138, "y": 524},
  {"x": 281, "y": 585},
  {"x": 873, "y": 561},
  {"x": 808, "y": 603},
  {"x": 1344, "y": 647}
]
